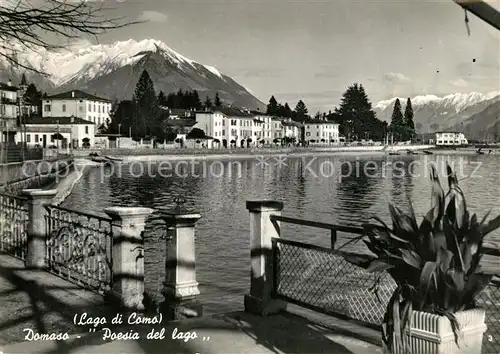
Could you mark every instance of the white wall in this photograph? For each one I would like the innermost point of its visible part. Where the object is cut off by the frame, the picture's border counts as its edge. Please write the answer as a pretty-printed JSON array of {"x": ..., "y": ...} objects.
[
  {"x": 94, "y": 111},
  {"x": 450, "y": 139},
  {"x": 318, "y": 131}
]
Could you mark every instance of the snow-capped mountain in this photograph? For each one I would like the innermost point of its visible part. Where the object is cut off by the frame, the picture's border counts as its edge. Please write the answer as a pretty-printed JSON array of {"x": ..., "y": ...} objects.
[
  {"x": 112, "y": 70},
  {"x": 444, "y": 111}
]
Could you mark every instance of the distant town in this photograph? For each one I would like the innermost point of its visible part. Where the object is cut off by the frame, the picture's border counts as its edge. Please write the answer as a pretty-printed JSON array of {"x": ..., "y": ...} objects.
[{"x": 76, "y": 119}]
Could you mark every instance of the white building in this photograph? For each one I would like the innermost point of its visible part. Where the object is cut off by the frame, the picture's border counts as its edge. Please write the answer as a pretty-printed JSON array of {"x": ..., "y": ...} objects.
[
  {"x": 42, "y": 132},
  {"x": 322, "y": 132},
  {"x": 291, "y": 129},
  {"x": 233, "y": 126},
  {"x": 9, "y": 108},
  {"x": 78, "y": 104},
  {"x": 229, "y": 126},
  {"x": 450, "y": 139}
]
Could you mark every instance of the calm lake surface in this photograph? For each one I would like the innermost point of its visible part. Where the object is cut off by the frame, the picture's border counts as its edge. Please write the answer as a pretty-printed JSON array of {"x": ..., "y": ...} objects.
[{"x": 344, "y": 190}]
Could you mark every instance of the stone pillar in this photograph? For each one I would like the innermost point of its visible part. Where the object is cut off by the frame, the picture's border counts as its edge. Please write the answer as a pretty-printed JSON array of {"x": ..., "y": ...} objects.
[
  {"x": 262, "y": 230},
  {"x": 180, "y": 287},
  {"x": 37, "y": 230},
  {"x": 128, "y": 255}
]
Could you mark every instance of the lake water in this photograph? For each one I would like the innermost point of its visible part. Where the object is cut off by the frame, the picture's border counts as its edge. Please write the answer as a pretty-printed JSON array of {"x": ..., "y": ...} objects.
[{"x": 344, "y": 190}]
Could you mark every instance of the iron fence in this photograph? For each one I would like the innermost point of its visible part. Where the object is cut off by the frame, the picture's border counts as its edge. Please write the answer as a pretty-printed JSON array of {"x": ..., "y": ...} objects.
[
  {"x": 320, "y": 279},
  {"x": 13, "y": 225},
  {"x": 79, "y": 247}
]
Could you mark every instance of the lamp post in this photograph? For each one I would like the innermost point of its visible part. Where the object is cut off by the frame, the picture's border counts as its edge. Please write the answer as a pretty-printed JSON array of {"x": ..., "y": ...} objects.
[{"x": 119, "y": 134}]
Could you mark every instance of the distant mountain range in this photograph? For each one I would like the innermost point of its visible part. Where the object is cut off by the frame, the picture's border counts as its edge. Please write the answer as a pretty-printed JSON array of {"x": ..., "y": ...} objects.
[
  {"x": 473, "y": 113},
  {"x": 112, "y": 71}
]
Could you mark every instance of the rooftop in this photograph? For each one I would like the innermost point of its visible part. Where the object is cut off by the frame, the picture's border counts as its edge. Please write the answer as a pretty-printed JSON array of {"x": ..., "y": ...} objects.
[
  {"x": 181, "y": 122},
  {"x": 58, "y": 120},
  {"x": 77, "y": 94},
  {"x": 320, "y": 122},
  {"x": 7, "y": 87}
]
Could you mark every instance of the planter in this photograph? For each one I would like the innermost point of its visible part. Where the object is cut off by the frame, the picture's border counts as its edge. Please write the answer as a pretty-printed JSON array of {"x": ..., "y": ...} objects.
[{"x": 432, "y": 334}]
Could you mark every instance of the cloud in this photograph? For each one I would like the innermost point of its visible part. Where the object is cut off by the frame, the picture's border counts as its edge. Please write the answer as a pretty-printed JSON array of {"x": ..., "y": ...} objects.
[
  {"x": 396, "y": 78},
  {"x": 459, "y": 83},
  {"x": 152, "y": 16}
]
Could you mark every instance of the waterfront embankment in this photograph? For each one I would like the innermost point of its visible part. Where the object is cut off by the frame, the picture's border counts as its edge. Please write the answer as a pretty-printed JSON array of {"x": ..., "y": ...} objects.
[
  {"x": 129, "y": 155},
  {"x": 15, "y": 177}
]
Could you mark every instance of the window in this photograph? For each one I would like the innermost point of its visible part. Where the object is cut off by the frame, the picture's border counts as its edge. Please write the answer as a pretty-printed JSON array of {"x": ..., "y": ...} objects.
[
  {"x": 308, "y": 134},
  {"x": 98, "y": 109},
  {"x": 86, "y": 129},
  {"x": 90, "y": 107},
  {"x": 52, "y": 138},
  {"x": 224, "y": 132},
  {"x": 94, "y": 108},
  {"x": 46, "y": 108},
  {"x": 36, "y": 138},
  {"x": 317, "y": 134},
  {"x": 28, "y": 138},
  {"x": 64, "y": 107}
]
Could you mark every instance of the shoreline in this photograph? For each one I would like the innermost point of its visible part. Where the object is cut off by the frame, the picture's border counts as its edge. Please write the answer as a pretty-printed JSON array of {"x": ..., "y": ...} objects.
[
  {"x": 236, "y": 153},
  {"x": 65, "y": 185}
]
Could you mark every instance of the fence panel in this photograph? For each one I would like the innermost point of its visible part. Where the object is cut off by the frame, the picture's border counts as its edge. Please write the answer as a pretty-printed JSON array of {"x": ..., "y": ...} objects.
[
  {"x": 13, "y": 225},
  {"x": 79, "y": 247},
  {"x": 316, "y": 278}
]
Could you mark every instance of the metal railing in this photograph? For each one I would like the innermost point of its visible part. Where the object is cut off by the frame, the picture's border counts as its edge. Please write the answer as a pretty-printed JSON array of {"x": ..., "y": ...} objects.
[
  {"x": 320, "y": 279},
  {"x": 13, "y": 225},
  {"x": 79, "y": 247}
]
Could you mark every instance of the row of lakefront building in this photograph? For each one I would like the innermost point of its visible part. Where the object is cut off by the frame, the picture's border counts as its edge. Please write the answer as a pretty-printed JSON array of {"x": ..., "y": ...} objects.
[{"x": 78, "y": 119}]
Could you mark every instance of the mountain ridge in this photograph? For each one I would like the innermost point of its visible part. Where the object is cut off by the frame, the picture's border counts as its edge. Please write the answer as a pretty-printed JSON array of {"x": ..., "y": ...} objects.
[
  {"x": 104, "y": 68},
  {"x": 440, "y": 112}
]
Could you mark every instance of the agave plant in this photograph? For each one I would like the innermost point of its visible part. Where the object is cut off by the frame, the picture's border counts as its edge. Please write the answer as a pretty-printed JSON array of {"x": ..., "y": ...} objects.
[{"x": 436, "y": 265}]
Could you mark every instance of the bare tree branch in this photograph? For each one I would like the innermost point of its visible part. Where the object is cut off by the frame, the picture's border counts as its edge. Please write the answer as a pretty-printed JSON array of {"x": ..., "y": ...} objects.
[{"x": 24, "y": 25}]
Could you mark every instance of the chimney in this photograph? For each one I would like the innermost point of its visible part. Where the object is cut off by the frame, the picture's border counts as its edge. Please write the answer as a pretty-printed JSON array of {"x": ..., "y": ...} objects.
[
  {"x": 73, "y": 94},
  {"x": 9, "y": 83}
]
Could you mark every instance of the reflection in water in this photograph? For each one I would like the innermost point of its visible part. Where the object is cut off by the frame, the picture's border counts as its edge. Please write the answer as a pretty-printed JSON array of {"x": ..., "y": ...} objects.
[
  {"x": 355, "y": 190},
  {"x": 319, "y": 188}
]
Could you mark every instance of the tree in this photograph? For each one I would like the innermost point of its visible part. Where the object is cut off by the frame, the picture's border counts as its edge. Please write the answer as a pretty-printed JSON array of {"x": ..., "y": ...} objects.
[
  {"x": 208, "y": 103},
  {"x": 434, "y": 126},
  {"x": 217, "y": 101},
  {"x": 397, "y": 121},
  {"x": 408, "y": 120},
  {"x": 145, "y": 106},
  {"x": 22, "y": 23},
  {"x": 301, "y": 111},
  {"x": 317, "y": 116},
  {"x": 356, "y": 116},
  {"x": 162, "y": 99},
  {"x": 196, "y": 133},
  {"x": 33, "y": 97},
  {"x": 272, "y": 107}
]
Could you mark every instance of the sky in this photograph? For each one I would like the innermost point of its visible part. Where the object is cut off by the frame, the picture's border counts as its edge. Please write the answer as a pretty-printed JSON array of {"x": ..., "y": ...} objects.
[{"x": 313, "y": 50}]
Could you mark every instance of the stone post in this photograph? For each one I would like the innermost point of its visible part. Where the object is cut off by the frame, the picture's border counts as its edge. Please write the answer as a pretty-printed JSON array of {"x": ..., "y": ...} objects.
[
  {"x": 128, "y": 255},
  {"x": 37, "y": 230},
  {"x": 262, "y": 230},
  {"x": 180, "y": 287}
]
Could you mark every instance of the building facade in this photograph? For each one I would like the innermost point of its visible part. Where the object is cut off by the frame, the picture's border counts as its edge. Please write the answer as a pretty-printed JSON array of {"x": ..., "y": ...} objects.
[
  {"x": 41, "y": 132},
  {"x": 11, "y": 103},
  {"x": 232, "y": 126},
  {"x": 78, "y": 104},
  {"x": 450, "y": 139},
  {"x": 322, "y": 132}
]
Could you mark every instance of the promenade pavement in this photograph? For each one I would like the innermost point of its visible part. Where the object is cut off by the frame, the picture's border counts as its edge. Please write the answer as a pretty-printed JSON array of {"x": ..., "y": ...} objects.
[{"x": 46, "y": 303}]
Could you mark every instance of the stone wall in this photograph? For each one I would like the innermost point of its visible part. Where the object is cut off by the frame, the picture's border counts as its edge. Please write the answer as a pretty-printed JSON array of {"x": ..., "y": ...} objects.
[{"x": 33, "y": 174}]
